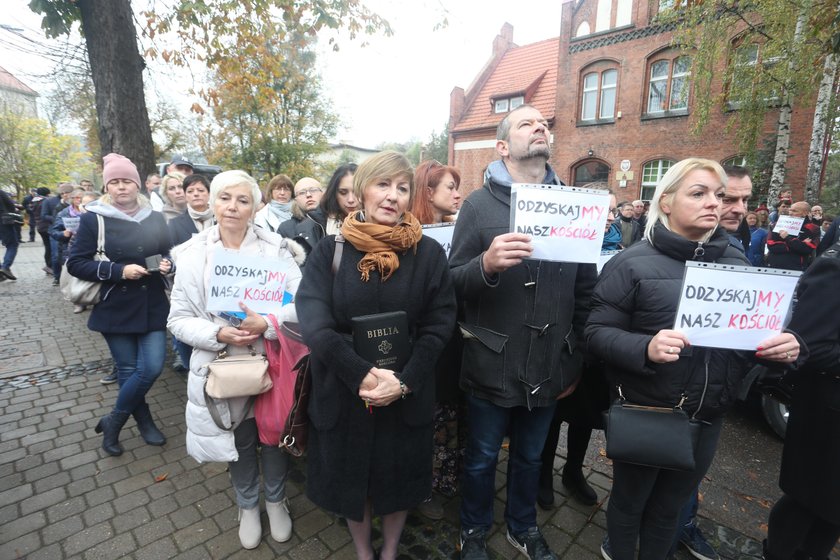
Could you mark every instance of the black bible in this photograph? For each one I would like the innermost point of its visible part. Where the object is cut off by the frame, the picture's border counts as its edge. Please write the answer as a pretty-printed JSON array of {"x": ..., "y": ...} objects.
[{"x": 383, "y": 339}]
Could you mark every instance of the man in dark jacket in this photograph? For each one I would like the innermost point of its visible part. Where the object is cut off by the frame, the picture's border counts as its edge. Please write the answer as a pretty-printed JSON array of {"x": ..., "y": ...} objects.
[
  {"x": 49, "y": 209},
  {"x": 631, "y": 230},
  {"x": 522, "y": 322},
  {"x": 8, "y": 235},
  {"x": 27, "y": 205},
  {"x": 308, "y": 224}
]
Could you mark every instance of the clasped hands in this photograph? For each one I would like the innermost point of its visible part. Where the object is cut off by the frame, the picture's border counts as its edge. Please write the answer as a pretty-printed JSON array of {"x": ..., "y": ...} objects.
[
  {"x": 252, "y": 327},
  {"x": 380, "y": 387},
  {"x": 667, "y": 345}
]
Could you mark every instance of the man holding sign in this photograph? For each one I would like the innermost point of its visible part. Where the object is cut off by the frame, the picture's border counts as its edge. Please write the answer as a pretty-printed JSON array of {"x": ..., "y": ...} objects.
[
  {"x": 793, "y": 250},
  {"x": 522, "y": 323}
]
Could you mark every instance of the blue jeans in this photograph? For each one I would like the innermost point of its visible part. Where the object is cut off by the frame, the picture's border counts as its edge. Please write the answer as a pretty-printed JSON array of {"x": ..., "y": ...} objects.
[
  {"x": 8, "y": 236},
  {"x": 184, "y": 351},
  {"x": 55, "y": 257},
  {"x": 688, "y": 517},
  {"x": 139, "y": 360},
  {"x": 488, "y": 424}
]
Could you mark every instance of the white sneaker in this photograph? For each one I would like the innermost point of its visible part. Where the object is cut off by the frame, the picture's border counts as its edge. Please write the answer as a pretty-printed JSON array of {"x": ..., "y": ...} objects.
[
  {"x": 250, "y": 530},
  {"x": 279, "y": 520}
]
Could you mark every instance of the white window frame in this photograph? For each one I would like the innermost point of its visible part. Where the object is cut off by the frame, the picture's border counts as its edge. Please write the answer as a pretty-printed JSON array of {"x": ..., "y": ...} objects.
[
  {"x": 614, "y": 88},
  {"x": 649, "y": 179},
  {"x": 653, "y": 108},
  {"x": 501, "y": 105},
  {"x": 589, "y": 93},
  {"x": 516, "y": 102}
]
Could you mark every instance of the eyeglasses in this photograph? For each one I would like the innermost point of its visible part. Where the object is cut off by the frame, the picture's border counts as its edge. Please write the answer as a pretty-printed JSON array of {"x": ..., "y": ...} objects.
[
  {"x": 283, "y": 188},
  {"x": 307, "y": 192}
]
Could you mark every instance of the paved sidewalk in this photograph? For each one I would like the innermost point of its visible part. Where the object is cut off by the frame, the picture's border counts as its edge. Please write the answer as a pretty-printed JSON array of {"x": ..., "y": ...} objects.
[{"x": 62, "y": 497}]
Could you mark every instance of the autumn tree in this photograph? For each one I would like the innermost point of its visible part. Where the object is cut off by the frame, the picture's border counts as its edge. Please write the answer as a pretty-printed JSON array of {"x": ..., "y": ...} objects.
[
  {"x": 204, "y": 31},
  {"x": 268, "y": 105},
  {"x": 770, "y": 65},
  {"x": 33, "y": 155}
]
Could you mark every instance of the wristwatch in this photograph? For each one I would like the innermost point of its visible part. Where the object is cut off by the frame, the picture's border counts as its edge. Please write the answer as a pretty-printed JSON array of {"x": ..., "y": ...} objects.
[{"x": 232, "y": 319}]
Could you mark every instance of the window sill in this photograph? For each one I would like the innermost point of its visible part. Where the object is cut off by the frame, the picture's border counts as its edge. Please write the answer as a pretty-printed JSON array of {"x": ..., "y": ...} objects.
[
  {"x": 595, "y": 122},
  {"x": 665, "y": 115}
]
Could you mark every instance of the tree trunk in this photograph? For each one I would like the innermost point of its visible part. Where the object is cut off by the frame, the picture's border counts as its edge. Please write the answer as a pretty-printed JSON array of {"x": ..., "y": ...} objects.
[
  {"x": 816, "y": 152},
  {"x": 117, "y": 71}
]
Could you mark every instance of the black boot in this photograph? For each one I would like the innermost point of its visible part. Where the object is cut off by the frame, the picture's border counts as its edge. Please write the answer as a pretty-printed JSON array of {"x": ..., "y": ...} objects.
[
  {"x": 146, "y": 424},
  {"x": 577, "y": 486},
  {"x": 110, "y": 427}
]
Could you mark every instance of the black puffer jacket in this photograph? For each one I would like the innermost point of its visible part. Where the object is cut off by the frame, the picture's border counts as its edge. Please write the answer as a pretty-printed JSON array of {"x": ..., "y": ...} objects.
[
  {"x": 637, "y": 296},
  {"x": 306, "y": 229}
]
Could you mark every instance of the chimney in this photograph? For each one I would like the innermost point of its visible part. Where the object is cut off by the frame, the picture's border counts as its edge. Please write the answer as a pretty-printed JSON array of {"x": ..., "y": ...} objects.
[{"x": 503, "y": 41}]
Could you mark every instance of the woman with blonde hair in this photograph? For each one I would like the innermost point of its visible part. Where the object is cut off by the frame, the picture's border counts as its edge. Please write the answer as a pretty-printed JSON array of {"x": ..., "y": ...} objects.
[
  {"x": 648, "y": 363},
  {"x": 172, "y": 193},
  {"x": 370, "y": 437},
  {"x": 233, "y": 197}
]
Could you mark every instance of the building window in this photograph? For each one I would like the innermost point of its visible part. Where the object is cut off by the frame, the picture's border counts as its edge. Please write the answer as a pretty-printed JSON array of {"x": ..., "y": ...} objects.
[
  {"x": 591, "y": 171},
  {"x": 583, "y": 29},
  {"x": 737, "y": 160},
  {"x": 652, "y": 172},
  {"x": 507, "y": 104},
  {"x": 750, "y": 73},
  {"x": 598, "y": 96},
  {"x": 668, "y": 85}
]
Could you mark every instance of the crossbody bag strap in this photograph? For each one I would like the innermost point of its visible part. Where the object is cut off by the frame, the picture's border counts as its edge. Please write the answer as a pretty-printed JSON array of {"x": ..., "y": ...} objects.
[
  {"x": 100, "y": 235},
  {"x": 217, "y": 418},
  {"x": 339, "y": 250}
]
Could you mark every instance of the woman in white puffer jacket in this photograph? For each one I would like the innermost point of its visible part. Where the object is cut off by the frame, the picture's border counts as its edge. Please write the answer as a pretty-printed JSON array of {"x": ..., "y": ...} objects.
[{"x": 233, "y": 197}]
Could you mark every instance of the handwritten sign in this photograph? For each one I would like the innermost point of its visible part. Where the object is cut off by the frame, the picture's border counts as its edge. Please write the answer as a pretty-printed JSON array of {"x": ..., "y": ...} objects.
[
  {"x": 565, "y": 223},
  {"x": 442, "y": 233},
  {"x": 735, "y": 307},
  {"x": 790, "y": 224},
  {"x": 257, "y": 281},
  {"x": 71, "y": 224}
]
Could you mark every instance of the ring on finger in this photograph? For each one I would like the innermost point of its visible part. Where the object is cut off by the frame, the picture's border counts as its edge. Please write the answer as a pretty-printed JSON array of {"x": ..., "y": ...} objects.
[{"x": 788, "y": 355}]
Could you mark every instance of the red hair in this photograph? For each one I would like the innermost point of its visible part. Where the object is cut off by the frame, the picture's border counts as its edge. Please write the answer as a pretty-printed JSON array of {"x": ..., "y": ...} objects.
[{"x": 429, "y": 174}]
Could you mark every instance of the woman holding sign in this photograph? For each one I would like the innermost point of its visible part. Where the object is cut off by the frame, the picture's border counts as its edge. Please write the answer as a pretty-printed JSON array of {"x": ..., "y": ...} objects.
[
  {"x": 647, "y": 363},
  {"x": 233, "y": 196},
  {"x": 131, "y": 313},
  {"x": 370, "y": 437}
]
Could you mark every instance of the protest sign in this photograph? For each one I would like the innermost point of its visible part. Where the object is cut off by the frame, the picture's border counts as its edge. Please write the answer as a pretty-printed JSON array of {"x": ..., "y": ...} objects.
[
  {"x": 71, "y": 224},
  {"x": 735, "y": 307},
  {"x": 565, "y": 223},
  {"x": 789, "y": 224},
  {"x": 442, "y": 233},
  {"x": 257, "y": 281}
]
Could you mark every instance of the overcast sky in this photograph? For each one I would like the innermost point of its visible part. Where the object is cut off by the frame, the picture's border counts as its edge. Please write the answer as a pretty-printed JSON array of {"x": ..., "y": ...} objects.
[{"x": 394, "y": 89}]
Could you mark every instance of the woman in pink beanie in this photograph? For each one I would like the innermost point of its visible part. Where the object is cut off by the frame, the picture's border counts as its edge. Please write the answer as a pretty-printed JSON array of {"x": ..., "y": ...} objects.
[{"x": 133, "y": 306}]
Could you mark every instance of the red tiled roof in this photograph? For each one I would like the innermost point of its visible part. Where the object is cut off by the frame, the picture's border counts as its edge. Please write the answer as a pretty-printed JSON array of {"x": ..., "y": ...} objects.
[
  {"x": 521, "y": 68},
  {"x": 7, "y": 81}
]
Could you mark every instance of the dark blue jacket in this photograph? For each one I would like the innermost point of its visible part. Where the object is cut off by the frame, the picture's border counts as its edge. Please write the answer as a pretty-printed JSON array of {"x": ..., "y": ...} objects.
[
  {"x": 48, "y": 208},
  {"x": 127, "y": 306},
  {"x": 181, "y": 228}
]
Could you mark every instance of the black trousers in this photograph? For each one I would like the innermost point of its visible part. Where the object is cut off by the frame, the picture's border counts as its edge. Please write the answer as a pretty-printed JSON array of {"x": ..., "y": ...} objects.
[
  {"x": 645, "y": 502},
  {"x": 793, "y": 528},
  {"x": 45, "y": 237}
]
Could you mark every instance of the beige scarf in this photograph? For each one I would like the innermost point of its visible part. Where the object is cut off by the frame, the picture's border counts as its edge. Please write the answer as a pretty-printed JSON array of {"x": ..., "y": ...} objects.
[{"x": 381, "y": 243}]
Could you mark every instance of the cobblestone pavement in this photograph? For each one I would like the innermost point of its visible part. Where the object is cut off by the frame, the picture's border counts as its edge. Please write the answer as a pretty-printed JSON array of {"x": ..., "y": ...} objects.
[{"x": 62, "y": 497}]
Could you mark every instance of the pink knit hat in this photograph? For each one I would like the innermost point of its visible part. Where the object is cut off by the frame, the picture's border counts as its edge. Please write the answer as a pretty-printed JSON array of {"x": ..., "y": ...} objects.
[{"x": 115, "y": 166}]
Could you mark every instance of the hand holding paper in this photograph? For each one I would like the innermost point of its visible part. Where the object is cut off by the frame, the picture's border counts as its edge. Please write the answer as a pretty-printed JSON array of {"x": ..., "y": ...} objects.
[
  {"x": 780, "y": 348},
  {"x": 666, "y": 346},
  {"x": 254, "y": 323},
  {"x": 506, "y": 250}
]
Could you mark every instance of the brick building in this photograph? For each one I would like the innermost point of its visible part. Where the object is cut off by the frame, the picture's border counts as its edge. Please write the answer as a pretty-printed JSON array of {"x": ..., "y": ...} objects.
[{"x": 617, "y": 96}]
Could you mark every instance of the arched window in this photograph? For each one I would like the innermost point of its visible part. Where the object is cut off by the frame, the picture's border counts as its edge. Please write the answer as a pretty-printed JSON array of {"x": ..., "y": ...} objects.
[
  {"x": 598, "y": 96},
  {"x": 668, "y": 85},
  {"x": 591, "y": 171},
  {"x": 583, "y": 29},
  {"x": 652, "y": 172}
]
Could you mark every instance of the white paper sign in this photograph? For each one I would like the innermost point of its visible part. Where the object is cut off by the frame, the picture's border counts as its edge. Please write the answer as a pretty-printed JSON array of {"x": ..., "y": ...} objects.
[
  {"x": 790, "y": 224},
  {"x": 565, "y": 223},
  {"x": 257, "y": 281},
  {"x": 442, "y": 233},
  {"x": 735, "y": 307},
  {"x": 71, "y": 224}
]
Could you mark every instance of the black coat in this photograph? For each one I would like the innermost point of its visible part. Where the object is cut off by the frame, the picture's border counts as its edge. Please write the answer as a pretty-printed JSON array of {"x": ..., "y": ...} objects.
[
  {"x": 127, "y": 306},
  {"x": 307, "y": 231},
  {"x": 521, "y": 330},
  {"x": 637, "y": 296},
  {"x": 181, "y": 228},
  {"x": 811, "y": 457},
  {"x": 794, "y": 252},
  {"x": 385, "y": 455}
]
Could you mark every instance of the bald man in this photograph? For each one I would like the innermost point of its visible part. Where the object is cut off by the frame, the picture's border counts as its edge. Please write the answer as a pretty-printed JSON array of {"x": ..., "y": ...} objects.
[{"x": 794, "y": 252}]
